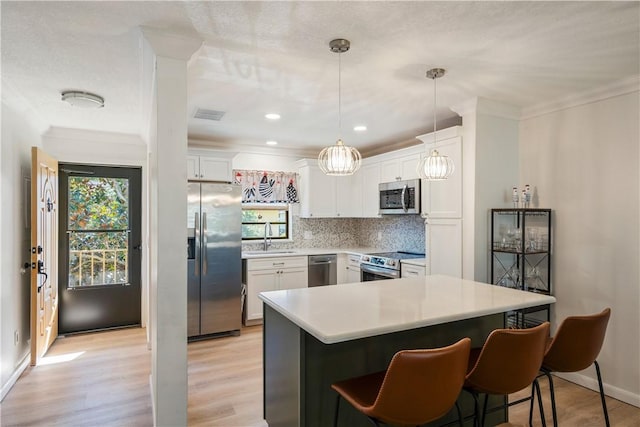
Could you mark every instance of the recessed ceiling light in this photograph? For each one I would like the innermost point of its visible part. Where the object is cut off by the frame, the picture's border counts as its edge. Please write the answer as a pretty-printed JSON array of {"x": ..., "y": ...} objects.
[
  {"x": 272, "y": 116},
  {"x": 272, "y": 142},
  {"x": 82, "y": 99},
  {"x": 360, "y": 128}
]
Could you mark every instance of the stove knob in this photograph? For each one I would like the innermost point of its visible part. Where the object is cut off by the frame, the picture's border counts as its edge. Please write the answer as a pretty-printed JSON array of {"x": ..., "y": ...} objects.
[{"x": 392, "y": 263}]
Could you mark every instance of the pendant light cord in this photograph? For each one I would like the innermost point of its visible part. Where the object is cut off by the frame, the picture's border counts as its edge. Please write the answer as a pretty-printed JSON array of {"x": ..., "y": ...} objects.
[
  {"x": 340, "y": 95},
  {"x": 434, "y": 108}
]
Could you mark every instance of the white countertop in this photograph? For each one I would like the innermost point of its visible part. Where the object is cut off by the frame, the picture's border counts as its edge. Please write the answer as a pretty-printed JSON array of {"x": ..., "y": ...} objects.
[
  {"x": 421, "y": 262},
  {"x": 346, "y": 312},
  {"x": 276, "y": 253}
]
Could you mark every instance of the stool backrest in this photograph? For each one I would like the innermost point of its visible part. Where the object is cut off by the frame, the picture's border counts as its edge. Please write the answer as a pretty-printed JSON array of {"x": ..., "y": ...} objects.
[
  {"x": 510, "y": 360},
  {"x": 577, "y": 342},
  {"x": 422, "y": 385}
]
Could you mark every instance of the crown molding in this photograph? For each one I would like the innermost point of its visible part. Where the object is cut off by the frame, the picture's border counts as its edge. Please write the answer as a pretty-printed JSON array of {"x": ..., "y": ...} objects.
[
  {"x": 171, "y": 45},
  {"x": 486, "y": 106},
  {"x": 93, "y": 136},
  {"x": 617, "y": 88},
  {"x": 442, "y": 134},
  {"x": 196, "y": 143}
]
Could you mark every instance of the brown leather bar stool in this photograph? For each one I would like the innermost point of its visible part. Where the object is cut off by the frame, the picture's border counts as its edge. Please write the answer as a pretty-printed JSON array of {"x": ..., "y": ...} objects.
[
  {"x": 508, "y": 362},
  {"x": 418, "y": 386},
  {"x": 575, "y": 347}
]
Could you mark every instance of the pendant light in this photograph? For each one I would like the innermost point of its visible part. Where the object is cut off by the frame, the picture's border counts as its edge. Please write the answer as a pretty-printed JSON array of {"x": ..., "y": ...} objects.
[
  {"x": 339, "y": 159},
  {"x": 435, "y": 167}
]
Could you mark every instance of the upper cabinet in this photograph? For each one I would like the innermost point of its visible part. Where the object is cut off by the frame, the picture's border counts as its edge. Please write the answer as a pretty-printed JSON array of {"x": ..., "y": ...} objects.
[
  {"x": 209, "y": 166},
  {"x": 400, "y": 168},
  {"x": 443, "y": 199},
  {"x": 323, "y": 196}
]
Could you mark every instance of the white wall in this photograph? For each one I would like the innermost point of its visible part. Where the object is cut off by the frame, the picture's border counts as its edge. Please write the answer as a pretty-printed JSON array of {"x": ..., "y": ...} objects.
[
  {"x": 18, "y": 136},
  {"x": 583, "y": 163}
]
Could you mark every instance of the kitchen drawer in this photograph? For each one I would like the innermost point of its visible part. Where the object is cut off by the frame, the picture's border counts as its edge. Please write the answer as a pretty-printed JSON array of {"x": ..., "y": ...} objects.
[
  {"x": 408, "y": 270},
  {"x": 277, "y": 262},
  {"x": 353, "y": 260}
]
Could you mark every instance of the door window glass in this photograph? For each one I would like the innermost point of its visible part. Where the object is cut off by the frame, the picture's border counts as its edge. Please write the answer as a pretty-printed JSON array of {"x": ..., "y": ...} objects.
[{"x": 98, "y": 230}]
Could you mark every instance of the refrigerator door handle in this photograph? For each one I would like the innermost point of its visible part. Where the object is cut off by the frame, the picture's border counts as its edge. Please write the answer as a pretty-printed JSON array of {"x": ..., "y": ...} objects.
[
  {"x": 196, "y": 268},
  {"x": 204, "y": 243}
]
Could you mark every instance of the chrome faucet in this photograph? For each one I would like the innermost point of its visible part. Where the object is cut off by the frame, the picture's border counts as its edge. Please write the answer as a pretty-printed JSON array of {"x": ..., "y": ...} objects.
[{"x": 267, "y": 229}]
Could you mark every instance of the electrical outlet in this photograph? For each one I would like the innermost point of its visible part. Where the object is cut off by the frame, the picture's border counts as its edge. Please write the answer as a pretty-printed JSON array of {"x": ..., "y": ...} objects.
[
  {"x": 379, "y": 235},
  {"x": 16, "y": 337},
  {"x": 308, "y": 235}
]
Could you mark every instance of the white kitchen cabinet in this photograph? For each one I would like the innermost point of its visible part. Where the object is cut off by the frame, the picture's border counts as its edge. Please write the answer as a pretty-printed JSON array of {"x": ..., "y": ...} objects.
[
  {"x": 410, "y": 270},
  {"x": 443, "y": 199},
  {"x": 208, "y": 168},
  {"x": 323, "y": 196},
  {"x": 369, "y": 180},
  {"x": 399, "y": 169},
  {"x": 444, "y": 246},
  {"x": 348, "y": 268},
  {"x": 353, "y": 269},
  {"x": 272, "y": 274}
]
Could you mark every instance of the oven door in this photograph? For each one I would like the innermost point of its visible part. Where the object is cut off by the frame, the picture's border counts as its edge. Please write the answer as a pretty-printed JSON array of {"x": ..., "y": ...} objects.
[{"x": 369, "y": 273}]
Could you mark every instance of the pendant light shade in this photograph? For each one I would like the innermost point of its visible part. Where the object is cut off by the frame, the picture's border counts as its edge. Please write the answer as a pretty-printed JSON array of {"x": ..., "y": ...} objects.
[
  {"x": 435, "y": 166},
  {"x": 339, "y": 159}
]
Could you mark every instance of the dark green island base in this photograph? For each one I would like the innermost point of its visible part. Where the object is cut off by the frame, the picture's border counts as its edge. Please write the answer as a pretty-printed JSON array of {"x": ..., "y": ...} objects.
[{"x": 299, "y": 369}]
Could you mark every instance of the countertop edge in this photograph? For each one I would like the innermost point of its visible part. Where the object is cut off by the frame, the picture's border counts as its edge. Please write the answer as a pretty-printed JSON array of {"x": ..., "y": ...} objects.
[{"x": 397, "y": 328}]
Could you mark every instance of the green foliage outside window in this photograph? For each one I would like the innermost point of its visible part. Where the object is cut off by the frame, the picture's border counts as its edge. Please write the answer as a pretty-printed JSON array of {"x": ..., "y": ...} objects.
[
  {"x": 98, "y": 222},
  {"x": 254, "y": 223}
]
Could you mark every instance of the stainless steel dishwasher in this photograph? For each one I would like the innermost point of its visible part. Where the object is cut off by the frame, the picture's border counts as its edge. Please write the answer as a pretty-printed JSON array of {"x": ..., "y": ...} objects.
[{"x": 323, "y": 270}]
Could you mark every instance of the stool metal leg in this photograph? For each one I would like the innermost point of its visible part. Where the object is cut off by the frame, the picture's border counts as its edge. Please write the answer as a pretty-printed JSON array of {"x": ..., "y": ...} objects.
[
  {"x": 553, "y": 399},
  {"x": 484, "y": 409},
  {"x": 459, "y": 414},
  {"x": 537, "y": 387},
  {"x": 604, "y": 403},
  {"x": 533, "y": 388},
  {"x": 335, "y": 416}
]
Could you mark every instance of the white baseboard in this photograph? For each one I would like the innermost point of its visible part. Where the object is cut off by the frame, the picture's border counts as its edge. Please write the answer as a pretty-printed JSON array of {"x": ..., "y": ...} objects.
[
  {"x": 609, "y": 390},
  {"x": 153, "y": 400},
  {"x": 14, "y": 377}
]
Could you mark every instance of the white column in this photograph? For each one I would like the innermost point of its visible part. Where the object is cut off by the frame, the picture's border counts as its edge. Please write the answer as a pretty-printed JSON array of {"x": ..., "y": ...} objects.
[
  {"x": 168, "y": 212},
  {"x": 491, "y": 165}
]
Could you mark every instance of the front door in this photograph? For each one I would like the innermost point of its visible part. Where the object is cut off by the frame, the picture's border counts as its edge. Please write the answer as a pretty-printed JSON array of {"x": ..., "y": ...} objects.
[
  {"x": 44, "y": 253},
  {"x": 100, "y": 247}
]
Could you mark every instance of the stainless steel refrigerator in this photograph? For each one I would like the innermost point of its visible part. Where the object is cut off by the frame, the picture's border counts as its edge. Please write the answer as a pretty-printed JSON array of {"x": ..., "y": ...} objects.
[{"x": 214, "y": 258}]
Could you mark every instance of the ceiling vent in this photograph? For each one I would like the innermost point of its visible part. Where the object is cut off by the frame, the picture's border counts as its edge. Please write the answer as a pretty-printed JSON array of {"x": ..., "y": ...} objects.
[{"x": 204, "y": 114}]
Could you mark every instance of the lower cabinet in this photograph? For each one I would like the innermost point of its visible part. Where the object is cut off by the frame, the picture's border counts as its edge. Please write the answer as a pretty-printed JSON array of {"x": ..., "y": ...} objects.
[
  {"x": 272, "y": 274},
  {"x": 348, "y": 268},
  {"x": 410, "y": 270},
  {"x": 444, "y": 243}
]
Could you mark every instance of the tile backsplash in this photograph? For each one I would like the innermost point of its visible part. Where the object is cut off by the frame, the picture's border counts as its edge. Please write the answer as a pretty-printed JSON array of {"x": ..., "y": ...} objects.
[{"x": 391, "y": 232}]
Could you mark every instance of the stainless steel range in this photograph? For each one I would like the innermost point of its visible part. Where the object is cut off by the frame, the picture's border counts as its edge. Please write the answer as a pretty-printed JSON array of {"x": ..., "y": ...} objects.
[{"x": 385, "y": 265}]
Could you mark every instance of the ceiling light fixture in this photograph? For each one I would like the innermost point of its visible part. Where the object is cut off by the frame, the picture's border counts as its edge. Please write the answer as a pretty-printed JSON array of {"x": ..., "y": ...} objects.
[
  {"x": 82, "y": 99},
  {"x": 435, "y": 167},
  {"x": 272, "y": 116},
  {"x": 360, "y": 128},
  {"x": 272, "y": 142},
  {"x": 339, "y": 159}
]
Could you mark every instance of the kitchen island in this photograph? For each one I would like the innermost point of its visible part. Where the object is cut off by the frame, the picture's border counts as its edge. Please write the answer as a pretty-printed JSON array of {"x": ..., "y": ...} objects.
[{"x": 315, "y": 336}]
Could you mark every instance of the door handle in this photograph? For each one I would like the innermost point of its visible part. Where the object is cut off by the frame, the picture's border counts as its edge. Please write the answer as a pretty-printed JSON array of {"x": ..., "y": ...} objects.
[
  {"x": 196, "y": 267},
  {"x": 402, "y": 196},
  {"x": 40, "y": 266},
  {"x": 204, "y": 243}
]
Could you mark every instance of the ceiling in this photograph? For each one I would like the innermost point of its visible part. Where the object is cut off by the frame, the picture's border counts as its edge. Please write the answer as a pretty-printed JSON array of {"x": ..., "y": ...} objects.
[{"x": 261, "y": 57}]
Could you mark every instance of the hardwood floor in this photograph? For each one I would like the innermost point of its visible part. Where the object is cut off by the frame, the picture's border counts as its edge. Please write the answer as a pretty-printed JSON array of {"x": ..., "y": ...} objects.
[{"x": 107, "y": 384}]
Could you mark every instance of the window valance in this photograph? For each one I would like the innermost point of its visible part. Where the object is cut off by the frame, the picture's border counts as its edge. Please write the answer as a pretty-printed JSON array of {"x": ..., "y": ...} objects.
[{"x": 267, "y": 186}]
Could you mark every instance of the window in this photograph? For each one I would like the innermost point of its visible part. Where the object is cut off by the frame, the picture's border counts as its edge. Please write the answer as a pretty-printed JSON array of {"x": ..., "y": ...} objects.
[{"x": 255, "y": 219}]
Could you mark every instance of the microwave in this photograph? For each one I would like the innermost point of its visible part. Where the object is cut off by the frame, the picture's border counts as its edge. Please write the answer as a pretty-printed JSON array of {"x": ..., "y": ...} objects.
[{"x": 400, "y": 197}]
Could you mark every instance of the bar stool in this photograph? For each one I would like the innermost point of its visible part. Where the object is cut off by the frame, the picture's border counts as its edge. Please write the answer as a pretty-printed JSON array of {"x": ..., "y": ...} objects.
[
  {"x": 418, "y": 386},
  {"x": 575, "y": 347},
  {"x": 508, "y": 362}
]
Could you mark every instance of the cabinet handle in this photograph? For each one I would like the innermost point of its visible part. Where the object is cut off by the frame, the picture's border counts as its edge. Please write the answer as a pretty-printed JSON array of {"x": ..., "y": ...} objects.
[{"x": 278, "y": 263}]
